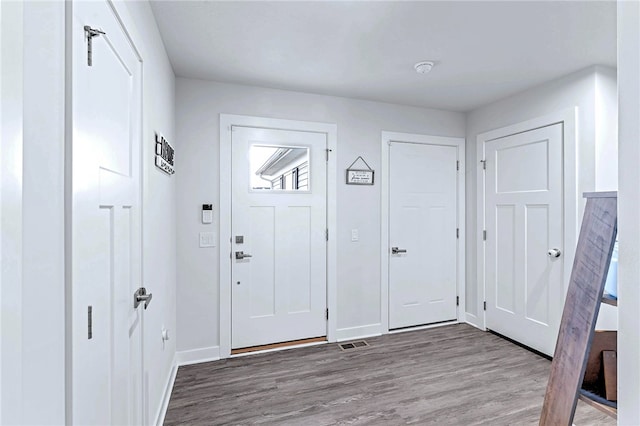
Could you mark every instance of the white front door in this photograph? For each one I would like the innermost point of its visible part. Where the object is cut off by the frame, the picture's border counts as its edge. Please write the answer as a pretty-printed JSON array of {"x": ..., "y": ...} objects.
[
  {"x": 279, "y": 219},
  {"x": 422, "y": 233},
  {"x": 524, "y": 185},
  {"x": 106, "y": 230}
]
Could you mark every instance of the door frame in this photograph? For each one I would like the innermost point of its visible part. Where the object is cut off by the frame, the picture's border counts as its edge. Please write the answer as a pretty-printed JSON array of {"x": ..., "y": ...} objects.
[
  {"x": 224, "y": 243},
  {"x": 570, "y": 197},
  {"x": 459, "y": 143}
]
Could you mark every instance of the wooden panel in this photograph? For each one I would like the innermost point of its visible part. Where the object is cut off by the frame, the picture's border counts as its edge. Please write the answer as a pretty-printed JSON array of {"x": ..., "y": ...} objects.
[
  {"x": 602, "y": 341},
  {"x": 610, "y": 411},
  {"x": 610, "y": 363},
  {"x": 582, "y": 304}
]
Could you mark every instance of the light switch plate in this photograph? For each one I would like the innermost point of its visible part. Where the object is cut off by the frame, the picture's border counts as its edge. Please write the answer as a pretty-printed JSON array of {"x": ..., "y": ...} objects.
[
  {"x": 355, "y": 235},
  {"x": 207, "y": 239}
]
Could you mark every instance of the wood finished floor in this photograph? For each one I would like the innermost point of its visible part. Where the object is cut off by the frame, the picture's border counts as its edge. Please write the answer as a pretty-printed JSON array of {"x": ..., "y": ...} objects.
[{"x": 453, "y": 375}]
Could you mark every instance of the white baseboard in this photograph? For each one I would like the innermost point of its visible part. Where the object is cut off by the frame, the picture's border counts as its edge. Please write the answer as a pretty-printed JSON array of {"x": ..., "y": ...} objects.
[
  {"x": 162, "y": 412},
  {"x": 474, "y": 321},
  {"x": 360, "y": 332},
  {"x": 196, "y": 356}
]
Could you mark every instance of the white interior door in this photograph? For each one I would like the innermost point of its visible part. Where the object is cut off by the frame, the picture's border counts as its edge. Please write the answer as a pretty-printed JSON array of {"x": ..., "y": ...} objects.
[
  {"x": 422, "y": 233},
  {"x": 279, "y": 219},
  {"x": 106, "y": 238},
  {"x": 524, "y": 184}
]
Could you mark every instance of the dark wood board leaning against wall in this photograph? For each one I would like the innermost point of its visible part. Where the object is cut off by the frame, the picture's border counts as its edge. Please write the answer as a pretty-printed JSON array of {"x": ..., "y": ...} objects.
[{"x": 582, "y": 304}]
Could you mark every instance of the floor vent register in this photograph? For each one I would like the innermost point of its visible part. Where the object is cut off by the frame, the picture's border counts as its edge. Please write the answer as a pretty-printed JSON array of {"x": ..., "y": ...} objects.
[{"x": 353, "y": 345}]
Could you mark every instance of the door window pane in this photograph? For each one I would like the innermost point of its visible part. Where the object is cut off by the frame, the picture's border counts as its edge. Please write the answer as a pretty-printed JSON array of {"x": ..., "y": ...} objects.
[{"x": 279, "y": 168}]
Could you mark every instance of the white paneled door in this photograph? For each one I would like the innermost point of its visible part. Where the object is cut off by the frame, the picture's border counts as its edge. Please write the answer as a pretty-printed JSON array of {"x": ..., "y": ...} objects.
[
  {"x": 422, "y": 233},
  {"x": 279, "y": 223},
  {"x": 107, "y": 367},
  {"x": 524, "y": 241}
]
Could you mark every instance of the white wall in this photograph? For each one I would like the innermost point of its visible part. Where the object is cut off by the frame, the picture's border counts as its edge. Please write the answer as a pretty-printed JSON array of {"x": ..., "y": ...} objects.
[
  {"x": 158, "y": 205},
  {"x": 628, "y": 208},
  {"x": 43, "y": 280},
  {"x": 606, "y": 178},
  {"x": 606, "y": 104},
  {"x": 580, "y": 90},
  {"x": 33, "y": 285},
  {"x": 198, "y": 105}
]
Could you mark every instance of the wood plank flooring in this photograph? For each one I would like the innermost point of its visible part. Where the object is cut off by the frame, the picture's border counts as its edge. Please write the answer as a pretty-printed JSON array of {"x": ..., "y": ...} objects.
[{"x": 453, "y": 375}]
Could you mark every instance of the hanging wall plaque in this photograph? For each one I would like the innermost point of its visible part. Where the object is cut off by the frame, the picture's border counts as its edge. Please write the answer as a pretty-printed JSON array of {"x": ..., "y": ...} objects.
[
  {"x": 359, "y": 176},
  {"x": 164, "y": 155}
]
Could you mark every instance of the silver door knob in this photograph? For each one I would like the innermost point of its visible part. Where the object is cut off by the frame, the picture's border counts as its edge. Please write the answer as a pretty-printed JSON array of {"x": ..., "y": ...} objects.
[
  {"x": 396, "y": 250},
  {"x": 140, "y": 296},
  {"x": 554, "y": 252},
  {"x": 241, "y": 255}
]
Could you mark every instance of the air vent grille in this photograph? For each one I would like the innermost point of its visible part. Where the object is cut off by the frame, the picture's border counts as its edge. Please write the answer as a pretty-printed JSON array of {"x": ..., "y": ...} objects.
[{"x": 353, "y": 345}]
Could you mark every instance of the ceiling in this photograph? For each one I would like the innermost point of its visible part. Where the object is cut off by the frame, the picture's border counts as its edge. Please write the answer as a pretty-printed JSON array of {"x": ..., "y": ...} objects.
[{"x": 484, "y": 51}]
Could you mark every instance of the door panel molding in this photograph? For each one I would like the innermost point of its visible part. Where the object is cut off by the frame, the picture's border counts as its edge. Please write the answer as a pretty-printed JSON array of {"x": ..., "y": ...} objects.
[
  {"x": 282, "y": 296},
  {"x": 568, "y": 118},
  {"x": 459, "y": 143},
  {"x": 227, "y": 121},
  {"x": 521, "y": 279},
  {"x": 106, "y": 264}
]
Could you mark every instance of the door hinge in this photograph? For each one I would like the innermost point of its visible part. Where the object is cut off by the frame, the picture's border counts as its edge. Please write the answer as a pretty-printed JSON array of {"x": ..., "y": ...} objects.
[
  {"x": 457, "y": 165},
  {"x": 328, "y": 151},
  {"x": 327, "y": 313},
  {"x": 457, "y": 232},
  {"x": 91, "y": 33},
  {"x": 89, "y": 322},
  {"x": 326, "y": 234},
  {"x": 485, "y": 305},
  {"x": 484, "y": 164},
  {"x": 484, "y": 235},
  {"x": 457, "y": 300}
]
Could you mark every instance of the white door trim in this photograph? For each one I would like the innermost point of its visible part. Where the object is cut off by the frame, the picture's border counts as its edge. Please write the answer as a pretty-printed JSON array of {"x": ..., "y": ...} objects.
[
  {"x": 226, "y": 122},
  {"x": 459, "y": 143},
  {"x": 571, "y": 221},
  {"x": 12, "y": 304}
]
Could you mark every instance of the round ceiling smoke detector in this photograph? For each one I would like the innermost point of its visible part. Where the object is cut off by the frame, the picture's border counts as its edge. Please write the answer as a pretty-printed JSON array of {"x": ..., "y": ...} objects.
[{"x": 423, "y": 67}]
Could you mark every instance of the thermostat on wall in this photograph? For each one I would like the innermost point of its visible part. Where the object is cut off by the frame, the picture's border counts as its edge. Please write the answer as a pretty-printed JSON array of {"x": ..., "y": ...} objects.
[{"x": 207, "y": 213}]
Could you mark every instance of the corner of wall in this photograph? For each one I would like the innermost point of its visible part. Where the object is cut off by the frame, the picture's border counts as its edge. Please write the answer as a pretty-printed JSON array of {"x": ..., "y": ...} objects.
[{"x": 197, "y": 356}]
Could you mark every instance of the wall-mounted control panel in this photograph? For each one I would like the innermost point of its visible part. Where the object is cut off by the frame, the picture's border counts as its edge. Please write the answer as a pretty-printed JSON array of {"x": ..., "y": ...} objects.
[{"x": 207, "y": 213}]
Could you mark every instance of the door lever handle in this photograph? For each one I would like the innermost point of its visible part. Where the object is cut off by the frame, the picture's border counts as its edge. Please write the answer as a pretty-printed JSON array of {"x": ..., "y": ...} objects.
[
  {"x": 140, "y": 296},
  {"x": 396, "y": 250},
  {"x": 241, "y": 255}
]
